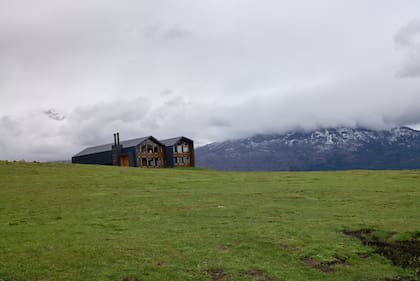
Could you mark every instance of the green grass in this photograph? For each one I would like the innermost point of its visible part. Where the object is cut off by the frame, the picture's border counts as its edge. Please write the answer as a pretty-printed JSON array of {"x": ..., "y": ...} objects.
[{"x": 81, "y": 222}]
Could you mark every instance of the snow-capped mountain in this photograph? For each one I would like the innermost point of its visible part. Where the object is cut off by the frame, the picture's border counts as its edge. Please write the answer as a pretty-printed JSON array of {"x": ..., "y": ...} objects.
[{"x": 322, "y": 149}]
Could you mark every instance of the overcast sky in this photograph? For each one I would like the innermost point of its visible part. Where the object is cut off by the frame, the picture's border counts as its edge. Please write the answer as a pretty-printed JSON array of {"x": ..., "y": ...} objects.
[{"x": 74, "y": 72}]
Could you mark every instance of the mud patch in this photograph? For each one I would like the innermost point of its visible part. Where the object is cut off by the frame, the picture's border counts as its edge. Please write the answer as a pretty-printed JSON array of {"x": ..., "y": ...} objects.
[
  {"x": 405, "y": 254},
  {"x": 326, "y": 267},
  {"x": 257, "y": 274},
  {"x": 216, "y": 274}
]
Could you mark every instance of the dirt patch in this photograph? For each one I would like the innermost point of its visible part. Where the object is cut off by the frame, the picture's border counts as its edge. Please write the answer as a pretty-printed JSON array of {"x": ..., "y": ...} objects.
[
  {"x": 326, "y": 267},
  {"x": 405, "y": 254},
  {"x": 216, "y": 274},
  {"x": 257, "y": 274}
]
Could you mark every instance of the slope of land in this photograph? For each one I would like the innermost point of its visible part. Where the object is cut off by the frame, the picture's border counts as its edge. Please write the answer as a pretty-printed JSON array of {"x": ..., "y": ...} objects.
[
  {"x": 75, "y": 222},
  {"x": 323, "y": 149}
]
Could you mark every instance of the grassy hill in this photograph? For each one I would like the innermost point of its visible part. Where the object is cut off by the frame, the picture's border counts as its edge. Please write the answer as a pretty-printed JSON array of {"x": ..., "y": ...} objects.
[{"x": 75, "y": 222}]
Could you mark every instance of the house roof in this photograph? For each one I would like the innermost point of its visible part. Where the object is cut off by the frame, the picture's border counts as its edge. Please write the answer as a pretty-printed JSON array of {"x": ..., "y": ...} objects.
[
  {"x": 173, "y": 141},
  {"x": 108, "y": 147}
]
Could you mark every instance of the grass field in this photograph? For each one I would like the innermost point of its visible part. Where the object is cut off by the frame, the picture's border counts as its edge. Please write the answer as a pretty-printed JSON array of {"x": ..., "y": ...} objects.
[{"x": 81, "y": 222}]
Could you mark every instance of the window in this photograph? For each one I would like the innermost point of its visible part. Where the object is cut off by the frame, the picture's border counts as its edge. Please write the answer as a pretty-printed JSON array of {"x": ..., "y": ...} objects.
[
  {"x": 179, "y": 148},
  {"x": 185, "y": 147}
]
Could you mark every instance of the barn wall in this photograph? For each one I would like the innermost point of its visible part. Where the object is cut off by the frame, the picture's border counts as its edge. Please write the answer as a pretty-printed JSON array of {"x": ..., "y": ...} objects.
[{"x": 102, "y": 158}]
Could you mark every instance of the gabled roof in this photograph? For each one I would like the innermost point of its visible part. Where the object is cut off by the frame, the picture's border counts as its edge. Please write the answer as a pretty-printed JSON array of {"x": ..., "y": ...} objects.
[
  {"x": 108, "y": 147},
  {"x": 174, "y": 141}
]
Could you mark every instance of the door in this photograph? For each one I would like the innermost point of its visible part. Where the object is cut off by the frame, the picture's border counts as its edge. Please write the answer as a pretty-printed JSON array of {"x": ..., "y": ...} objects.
[{"x": 124, "y": 161}]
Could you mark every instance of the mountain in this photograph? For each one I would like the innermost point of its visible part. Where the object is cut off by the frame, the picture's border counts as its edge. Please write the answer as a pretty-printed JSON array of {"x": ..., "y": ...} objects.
[{"x": 323, "y": 149}]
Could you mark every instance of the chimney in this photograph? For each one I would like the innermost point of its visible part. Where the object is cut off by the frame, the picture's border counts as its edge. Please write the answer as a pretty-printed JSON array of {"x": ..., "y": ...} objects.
[
  {"x": 118, "y": 138},
  {"x": 115, "y": 139}
]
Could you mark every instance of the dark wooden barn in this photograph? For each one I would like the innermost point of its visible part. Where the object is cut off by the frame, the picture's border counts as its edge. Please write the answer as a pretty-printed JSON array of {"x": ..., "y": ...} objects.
[{"x": 145, "y": 152}]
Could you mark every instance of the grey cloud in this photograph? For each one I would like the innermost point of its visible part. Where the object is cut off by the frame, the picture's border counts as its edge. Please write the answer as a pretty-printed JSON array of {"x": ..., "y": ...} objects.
[
  {"x": 54, "y": 115},
  {"x": 217, "y": 122},
  {"x": 176, "y": 101},
  {"x": 410, "y": 67},
  {"x": 160, "y": 31},
  {"x": 408, "y": 35},
  {"x": 9, "y": 126},
  {"x": 177, "y": 33},
  {"x": 166, "y": 92},
  {"x": 91, "y": 124},
  {"x": 408, "y": 38}
]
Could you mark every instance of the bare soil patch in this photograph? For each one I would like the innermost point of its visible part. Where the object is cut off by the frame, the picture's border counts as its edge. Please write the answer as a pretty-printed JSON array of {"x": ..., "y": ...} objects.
[
  {"x": 216, "y": 274},
  {"x": 405, "y": 254},
  {"x": 326, "y": 267}
]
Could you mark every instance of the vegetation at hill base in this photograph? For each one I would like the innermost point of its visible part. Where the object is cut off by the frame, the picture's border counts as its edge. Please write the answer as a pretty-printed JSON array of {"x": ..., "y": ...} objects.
[{"x": 86, "y": 222}]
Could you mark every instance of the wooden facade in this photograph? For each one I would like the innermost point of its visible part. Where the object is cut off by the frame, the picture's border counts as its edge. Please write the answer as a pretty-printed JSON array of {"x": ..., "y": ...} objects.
[
  {"x": 182, "y": 155},
  {"x": 151, "y": 154},
  {"x": 181, "y": 151}
]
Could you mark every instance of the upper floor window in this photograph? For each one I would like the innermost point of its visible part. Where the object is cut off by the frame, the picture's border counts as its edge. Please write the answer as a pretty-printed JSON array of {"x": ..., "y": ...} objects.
[
  {"x": 185, "y": 147},
  {"x": 181, "y": 147}
]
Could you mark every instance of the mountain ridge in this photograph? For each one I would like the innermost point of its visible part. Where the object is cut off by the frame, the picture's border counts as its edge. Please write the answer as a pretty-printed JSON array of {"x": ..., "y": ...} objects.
[{"x": 334, "y": 148}]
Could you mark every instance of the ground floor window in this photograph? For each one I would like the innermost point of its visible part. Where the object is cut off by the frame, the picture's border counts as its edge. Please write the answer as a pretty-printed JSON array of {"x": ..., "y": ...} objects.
[
  {"x": 182, "y": 161},
  {"x": 150, "y": 162}
]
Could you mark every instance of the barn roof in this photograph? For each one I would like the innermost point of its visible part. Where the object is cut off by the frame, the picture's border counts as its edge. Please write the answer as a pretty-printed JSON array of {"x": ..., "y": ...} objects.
[
  {"x": 173, "y": 141},
  {"x": 108, "y": 147}
]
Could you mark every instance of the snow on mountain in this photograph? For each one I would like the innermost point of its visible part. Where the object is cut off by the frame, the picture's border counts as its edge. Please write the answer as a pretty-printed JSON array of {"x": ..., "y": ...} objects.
[{"x": 322, "y": 149}]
